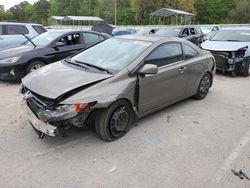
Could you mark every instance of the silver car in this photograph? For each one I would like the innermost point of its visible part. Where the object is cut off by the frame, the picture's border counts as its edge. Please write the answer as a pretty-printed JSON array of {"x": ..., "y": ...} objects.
[{"x": 114, "y": 83}]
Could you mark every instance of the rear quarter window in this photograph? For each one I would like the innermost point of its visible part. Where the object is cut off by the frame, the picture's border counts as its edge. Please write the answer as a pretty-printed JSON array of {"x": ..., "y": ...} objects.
[
  {"x": 14, "y": 29},
  {"x": 39, "y": 29},
  {"x": 189, "y": 52}
]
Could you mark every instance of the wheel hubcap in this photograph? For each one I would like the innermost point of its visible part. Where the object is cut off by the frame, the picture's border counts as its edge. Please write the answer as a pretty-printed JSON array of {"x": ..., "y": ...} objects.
[
  {"x": 35, "y": 67},
  {"x": 119, "y": 120},
  {"x": 205, "y": 85}
]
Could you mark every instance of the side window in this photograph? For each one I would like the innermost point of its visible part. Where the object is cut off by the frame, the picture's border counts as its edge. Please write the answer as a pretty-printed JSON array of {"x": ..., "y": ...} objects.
[
  {"x": 192, "y": 31},
  {"x": 15, "y": 29},
  {"x": 39, "y": 29},
  {"x": 90, "y": 38},
  {"x": 165, "y": 55},
  {"x": 72, "y": 39},
  {"x": 185, "y": 32},
  {"x": 1, "y": 29},
  {"x": 189, "y": 52},
  {"x": 101, "y": 38}
]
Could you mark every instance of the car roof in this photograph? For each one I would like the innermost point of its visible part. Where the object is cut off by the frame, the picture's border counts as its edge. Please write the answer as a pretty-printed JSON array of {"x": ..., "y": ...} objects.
[
  {"x": 19, "y": 23},
  {"x": 236, "y": 28},
  {"x": 149, "y": 38},
  {"x": 64, "y": 31}
]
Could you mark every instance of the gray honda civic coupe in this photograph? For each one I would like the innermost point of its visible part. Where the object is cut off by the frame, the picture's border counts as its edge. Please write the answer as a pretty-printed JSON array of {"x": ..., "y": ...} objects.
[{"x": 114, "y": 83}]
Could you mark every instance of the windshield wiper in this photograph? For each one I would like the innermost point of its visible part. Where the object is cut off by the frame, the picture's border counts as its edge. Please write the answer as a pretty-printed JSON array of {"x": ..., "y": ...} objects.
[
  {"x": 28, "y": 39},
  {"x": 233, "y": 40},
  {"x": 76, "y": 64},
  {"x": 96, "y": 67}
]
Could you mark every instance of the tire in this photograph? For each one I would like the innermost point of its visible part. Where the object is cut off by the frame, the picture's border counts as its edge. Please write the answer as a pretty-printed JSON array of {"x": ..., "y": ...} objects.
[
  {"x": 34, "y": 66},
  {"x": 115, "y": 121},
  {"x": 244, "y": 71},
  {"x": 204, "y": 86}
]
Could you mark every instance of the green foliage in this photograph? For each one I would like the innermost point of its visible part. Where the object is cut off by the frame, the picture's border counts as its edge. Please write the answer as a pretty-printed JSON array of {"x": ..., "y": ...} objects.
[
  {"x": 131, "y": 12},
  {"x": 213, "y": 11}
]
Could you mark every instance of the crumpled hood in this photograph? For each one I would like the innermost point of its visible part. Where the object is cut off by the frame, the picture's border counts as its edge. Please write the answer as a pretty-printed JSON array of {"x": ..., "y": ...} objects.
[
  {"x": 15, "y": 51},
  {"x": 57, "y": 79},
  {"x": 225, "y": 46}
]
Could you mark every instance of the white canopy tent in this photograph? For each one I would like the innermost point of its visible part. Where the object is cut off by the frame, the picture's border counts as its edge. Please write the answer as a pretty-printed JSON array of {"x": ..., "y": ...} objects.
[
  {"x": 179, "y": 15},
  {"x": 75, "y": 20}
]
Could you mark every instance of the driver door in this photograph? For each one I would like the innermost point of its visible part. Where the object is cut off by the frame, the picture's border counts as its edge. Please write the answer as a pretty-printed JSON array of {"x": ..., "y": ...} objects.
[{"x": 169, "y": 84}]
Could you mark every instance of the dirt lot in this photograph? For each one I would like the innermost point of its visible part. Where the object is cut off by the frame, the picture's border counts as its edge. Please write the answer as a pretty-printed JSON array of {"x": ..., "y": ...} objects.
[{"x": 190, "y": 144}]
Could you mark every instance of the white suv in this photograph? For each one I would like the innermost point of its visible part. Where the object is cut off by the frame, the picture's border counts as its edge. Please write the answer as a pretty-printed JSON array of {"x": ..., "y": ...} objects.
[{"x": 11, "y": 33}]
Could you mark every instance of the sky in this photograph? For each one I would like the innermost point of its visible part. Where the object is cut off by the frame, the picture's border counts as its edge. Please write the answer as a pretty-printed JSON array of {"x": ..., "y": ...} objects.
[{"x": 10, "y": 3}]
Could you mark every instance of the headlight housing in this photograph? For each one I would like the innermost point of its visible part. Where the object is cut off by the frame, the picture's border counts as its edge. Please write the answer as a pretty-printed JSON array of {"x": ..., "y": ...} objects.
[
  {"x": 62, "y": 112},
  {"x": 10, "y": 60}
]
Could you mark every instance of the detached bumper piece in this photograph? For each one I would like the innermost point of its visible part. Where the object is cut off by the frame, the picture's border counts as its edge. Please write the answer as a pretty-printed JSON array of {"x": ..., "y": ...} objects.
[{"x": 40, "y": 126}]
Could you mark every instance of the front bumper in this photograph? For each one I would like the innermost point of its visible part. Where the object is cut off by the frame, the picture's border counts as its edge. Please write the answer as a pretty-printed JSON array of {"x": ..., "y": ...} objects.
[
  {"x": 37, "y": 124},
  {"x": 11, "y": 72}
]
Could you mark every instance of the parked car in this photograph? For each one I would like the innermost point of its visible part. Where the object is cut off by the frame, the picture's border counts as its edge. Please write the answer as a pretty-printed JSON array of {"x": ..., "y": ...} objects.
[
  {"x": 209, "y": 28},
  {"x": 111, "y": 85},
  {"x": 11, "y": 33},
  {"x": 230, "y": 48},
  {"x": 16, "y": 62},
  {"x": 191, "y": 33},
  {"x": 118, "y": 32}
]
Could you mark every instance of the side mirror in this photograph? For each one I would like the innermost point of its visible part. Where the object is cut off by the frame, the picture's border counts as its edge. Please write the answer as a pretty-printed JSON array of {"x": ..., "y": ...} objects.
[
  {"x": 149, "y": 69},
  {"x": 59, "y": 44}
]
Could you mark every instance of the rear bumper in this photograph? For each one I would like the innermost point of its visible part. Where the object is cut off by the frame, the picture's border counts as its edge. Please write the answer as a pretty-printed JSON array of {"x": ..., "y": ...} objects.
[{"x": 37, "y": 124}]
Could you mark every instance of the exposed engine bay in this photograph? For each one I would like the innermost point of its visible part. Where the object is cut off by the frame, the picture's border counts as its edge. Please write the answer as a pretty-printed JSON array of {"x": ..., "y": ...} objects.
[{"x": 232, "y": 61}]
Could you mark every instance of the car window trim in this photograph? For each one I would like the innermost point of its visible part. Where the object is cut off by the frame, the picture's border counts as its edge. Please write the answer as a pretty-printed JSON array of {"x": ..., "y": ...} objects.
[
  {"x": 182, "y": 44},
  {"x": 141, "y": 64}
]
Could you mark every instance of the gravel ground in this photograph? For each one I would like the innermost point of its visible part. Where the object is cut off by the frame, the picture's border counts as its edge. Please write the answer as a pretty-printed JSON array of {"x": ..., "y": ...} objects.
[{"x": 190, "y": 144}]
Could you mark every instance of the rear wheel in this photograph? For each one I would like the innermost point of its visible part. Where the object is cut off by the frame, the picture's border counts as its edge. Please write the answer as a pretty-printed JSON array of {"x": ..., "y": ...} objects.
[
  {"x": 34, "y": 66},
  {"x": 204, "y": 87},
  {"x": 115, "y": 121}
]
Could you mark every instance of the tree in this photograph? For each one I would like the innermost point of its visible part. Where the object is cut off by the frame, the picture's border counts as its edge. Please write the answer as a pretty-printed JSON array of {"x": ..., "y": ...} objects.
[
  {"x": 53, "y": 10},
  {"x": 241, "y": 12},
  {"x": 18, "y": 11},
  {"x": 213, "y": 11},
  {"x": 41, "y": 11}
]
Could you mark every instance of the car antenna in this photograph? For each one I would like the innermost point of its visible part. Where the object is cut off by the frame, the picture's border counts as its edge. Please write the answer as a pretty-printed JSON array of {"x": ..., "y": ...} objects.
[{"x": 28, "y": 39}]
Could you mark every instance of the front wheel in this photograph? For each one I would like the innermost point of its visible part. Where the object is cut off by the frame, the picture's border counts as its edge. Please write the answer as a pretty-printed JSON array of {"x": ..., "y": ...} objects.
[
  {"x": 34, "y": 66},
  {"x": 115, "y": 121},
  {"x": 204, "y": 87}
]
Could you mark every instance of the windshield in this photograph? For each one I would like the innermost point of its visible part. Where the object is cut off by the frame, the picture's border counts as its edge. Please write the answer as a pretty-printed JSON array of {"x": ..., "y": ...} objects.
[
  {"x": 112, "y": 54},
  {"x": 44, "y": 39},
  {"x": 170, "y": 32},
  {"x": 232, "y": 35}
]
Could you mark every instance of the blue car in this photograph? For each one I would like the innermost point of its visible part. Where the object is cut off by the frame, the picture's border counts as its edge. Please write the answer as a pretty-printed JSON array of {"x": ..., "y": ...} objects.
[
  {"x": 230, "y": 48},
  {"x": 117, "y": 32}
]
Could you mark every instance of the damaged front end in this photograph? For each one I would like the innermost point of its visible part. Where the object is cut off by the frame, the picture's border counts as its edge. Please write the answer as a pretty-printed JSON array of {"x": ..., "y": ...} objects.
[
  {"x": 49, "y": 117},
  {"x": 231, "y": 61}
]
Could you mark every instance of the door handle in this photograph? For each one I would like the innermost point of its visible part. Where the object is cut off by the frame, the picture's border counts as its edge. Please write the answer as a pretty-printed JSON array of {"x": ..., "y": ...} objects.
[{"x": 182, "y": 69}]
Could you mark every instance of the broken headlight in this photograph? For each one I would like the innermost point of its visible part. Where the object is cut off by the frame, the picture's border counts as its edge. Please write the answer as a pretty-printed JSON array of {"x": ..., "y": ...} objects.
[{"x": 62, "y": 112}]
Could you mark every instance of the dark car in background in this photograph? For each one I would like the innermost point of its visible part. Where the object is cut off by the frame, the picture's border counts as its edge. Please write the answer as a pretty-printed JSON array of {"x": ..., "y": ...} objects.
[
  {"x": 49, "y": 47},
  {"x": 192, "y": 33},
  {"x": 11, "y": 33},
  {"x": 230, "y": 47},
  {"x": 115, "y": 82}
]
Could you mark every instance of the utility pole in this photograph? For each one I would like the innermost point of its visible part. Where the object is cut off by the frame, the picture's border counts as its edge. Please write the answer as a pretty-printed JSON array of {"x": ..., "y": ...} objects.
[{"x": 115, "y": 12}]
